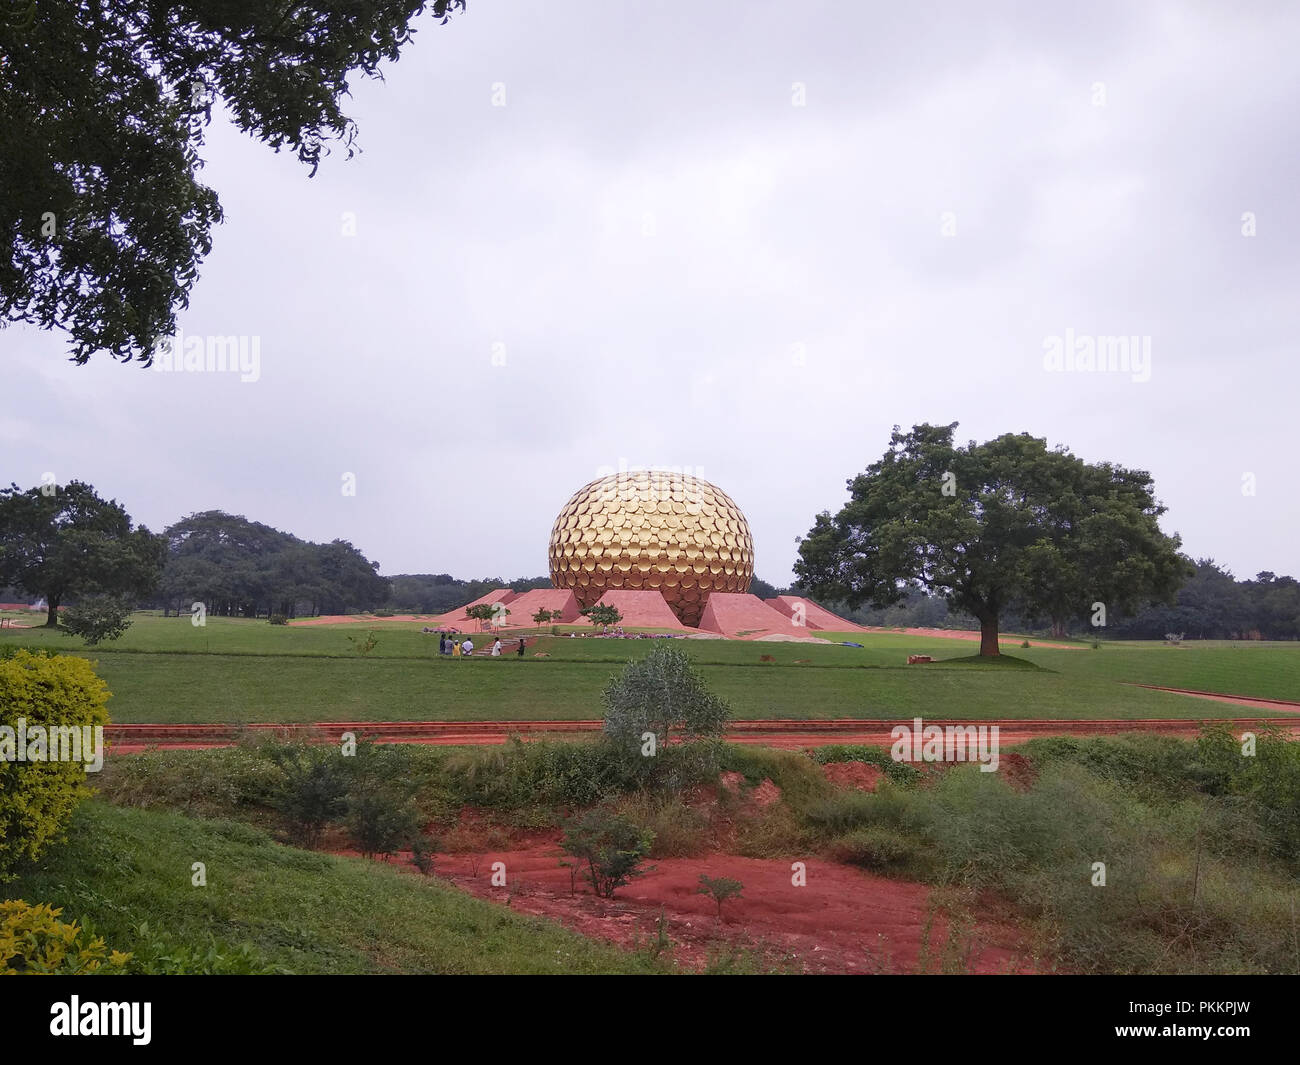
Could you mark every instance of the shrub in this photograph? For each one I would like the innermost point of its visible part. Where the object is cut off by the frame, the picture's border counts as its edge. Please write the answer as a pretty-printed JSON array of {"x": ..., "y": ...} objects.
[
  {"x": 517, "y": 775},
  {"x": 154, "y": 953},
  {"x": 37, "y": 798},
  {"x": 1268, "y": 780},
  {"x": 33, "y": 941},
  {"x": 873, "y": 847},
  {"x": 364, "y": 647},
  {"x": 381, "y": 814},
  {"x": 775, "y": 832},
  {"x": 679, "y": 831},
  {"x": 422, "y": 851},
  {"x": 612, "y": 846},
  {"x": 97, "y": 618},
  {"x": 890, "y": 807},
  {"x": 657, "y": 693},
  {"x": 217, "y": 782},
  {"x": 719, "y": 889},
  {"x": 798, "y": 777},
  {"x": 312, "y": 792},
  {"x": 1151, "y": 767},
  {"x": 382, "y": 821},
  {"x": 278, "y": 619}
]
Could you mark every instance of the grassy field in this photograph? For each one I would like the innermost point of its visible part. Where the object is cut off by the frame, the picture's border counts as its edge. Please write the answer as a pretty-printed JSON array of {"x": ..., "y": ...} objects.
[
  {"x": 1262, "y": 670},
  {"x": 230, "y": 670},
  {"x": 287, "y": 909}
]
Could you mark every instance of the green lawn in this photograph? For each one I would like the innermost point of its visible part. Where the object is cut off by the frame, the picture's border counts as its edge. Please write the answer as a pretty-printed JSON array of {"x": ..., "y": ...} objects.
[
  {"x": 297, "y": 910},
  {"x": 179, "y": 688},
  {"x": 167, "y": 670},
  {"x": 1264, "y": 670}
]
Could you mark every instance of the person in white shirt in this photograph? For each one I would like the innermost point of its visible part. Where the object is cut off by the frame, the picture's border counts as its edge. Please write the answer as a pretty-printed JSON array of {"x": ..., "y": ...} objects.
[
  {"x": 467, "y": 648},
  {"x": 496, "y": 648}
]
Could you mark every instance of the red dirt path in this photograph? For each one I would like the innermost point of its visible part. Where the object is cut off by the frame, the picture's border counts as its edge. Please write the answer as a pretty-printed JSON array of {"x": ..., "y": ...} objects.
[
  {"x": 774, "y": 733},
  {"x": 1238, "y": 700}
]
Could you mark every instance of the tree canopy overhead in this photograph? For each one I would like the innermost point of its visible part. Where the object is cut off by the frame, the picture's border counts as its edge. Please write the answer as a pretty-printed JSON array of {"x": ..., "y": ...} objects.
[
  {"x": 103, "y": 105},
  {"x": 1003, "y": 525}
]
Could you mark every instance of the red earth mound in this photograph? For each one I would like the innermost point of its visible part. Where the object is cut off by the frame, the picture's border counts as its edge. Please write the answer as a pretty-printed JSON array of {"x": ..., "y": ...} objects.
[
  {"x": 559, "y": 601},
  {"x": 733, "y": 613},
  {"x": 856, "y": 775},
  {"x": 643, "y": 609},
  {"x": 763, "y": 795},
  {"x": 1017, "y": 770},
  {"x": 814, "y": 616}
]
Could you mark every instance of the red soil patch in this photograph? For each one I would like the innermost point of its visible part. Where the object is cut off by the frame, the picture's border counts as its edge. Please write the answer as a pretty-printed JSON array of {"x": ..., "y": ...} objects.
[
  {"x": 856, "y": 775},
  {"x": 763, "y": 795},
  {"x": 1017, "y": 770},
  {"x": 842, "y": 920}
]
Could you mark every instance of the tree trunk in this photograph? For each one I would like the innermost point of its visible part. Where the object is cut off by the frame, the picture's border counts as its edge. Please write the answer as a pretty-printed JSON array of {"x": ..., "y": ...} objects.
[
  {"x": 989, "y": 636},
  {"x": 51, "y": 613}
]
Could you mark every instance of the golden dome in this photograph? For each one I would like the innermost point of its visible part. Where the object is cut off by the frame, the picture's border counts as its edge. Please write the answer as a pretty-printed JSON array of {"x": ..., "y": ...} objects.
[{"x": 655, "y": 530}]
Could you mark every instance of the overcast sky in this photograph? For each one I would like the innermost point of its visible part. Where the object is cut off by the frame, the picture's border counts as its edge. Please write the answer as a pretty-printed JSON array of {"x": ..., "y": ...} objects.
[{"x": 741, "y": 238}]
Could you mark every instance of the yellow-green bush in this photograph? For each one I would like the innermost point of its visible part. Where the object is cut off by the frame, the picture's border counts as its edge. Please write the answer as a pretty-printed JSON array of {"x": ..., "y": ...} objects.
[
  {"x": 37, "y": 798},
  {"x": 34, "y": 942}
]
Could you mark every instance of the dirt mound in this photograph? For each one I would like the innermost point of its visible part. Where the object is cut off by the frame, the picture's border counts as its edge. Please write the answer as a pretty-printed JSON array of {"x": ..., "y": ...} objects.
[
  {"x": 642, "y": 608},
  {"x": 1017, "y": 770},
  {"x": 814, "y": 616},
  {"x": 761, "y": 796},
  {"x": 742, "y": 615},
  {"x": 856, "y": 775}
]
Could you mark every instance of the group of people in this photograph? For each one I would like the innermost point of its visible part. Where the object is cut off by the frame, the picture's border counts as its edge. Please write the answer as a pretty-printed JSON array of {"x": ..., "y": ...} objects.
[{"x": 450, "y": 644}]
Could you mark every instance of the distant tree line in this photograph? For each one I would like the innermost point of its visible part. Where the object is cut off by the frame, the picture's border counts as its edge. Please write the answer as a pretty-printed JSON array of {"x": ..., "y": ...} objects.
[
  {"x": 1212, "y": 605},
  {"x": 438, "y": 593},
  {"x": 241, "y": 568}
]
